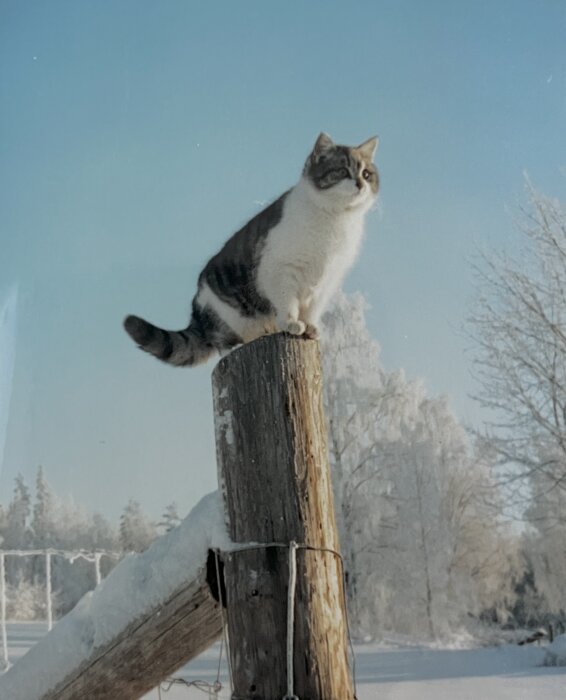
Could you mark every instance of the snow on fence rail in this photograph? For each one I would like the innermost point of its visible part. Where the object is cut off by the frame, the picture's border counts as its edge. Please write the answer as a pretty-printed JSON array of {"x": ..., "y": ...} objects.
[
  {"x": 147, "y": 599},
  {"x": 70, "y": 555}
]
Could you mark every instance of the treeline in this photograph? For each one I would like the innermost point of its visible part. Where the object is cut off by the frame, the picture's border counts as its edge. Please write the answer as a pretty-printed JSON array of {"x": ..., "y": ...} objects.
[{"x": 42, "y": 520}]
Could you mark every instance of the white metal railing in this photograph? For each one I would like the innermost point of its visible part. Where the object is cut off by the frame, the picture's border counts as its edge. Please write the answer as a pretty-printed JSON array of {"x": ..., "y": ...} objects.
[{"x": 92, "y": 556}]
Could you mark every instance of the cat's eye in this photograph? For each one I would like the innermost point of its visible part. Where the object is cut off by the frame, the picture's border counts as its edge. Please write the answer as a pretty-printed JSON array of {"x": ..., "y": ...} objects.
[
  {"x": 344, "y": 172},
  {"x": 366, "y": 174}
]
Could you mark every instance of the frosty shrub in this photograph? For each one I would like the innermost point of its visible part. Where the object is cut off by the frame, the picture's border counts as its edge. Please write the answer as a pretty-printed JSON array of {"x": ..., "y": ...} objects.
[
  {"x": 26, "y": 601},
  {"x": 555, "y": 654}
]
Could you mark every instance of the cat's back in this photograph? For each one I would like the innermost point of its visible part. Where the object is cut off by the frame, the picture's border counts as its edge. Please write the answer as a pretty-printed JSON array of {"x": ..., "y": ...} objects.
[
  {"x": 245, "y": 246},
  {"x": 229, "y": 279}
]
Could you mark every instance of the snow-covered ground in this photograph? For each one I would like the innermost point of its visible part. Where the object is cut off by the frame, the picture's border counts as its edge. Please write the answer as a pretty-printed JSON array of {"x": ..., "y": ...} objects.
[{"x": 392, "y": 672}]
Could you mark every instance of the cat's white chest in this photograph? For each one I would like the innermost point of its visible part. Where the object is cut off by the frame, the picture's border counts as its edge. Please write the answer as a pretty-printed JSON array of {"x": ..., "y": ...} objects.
[{"x": 308, "y": 252}]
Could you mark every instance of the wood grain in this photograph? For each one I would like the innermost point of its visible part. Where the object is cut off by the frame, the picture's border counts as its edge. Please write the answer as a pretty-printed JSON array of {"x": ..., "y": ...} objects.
[
  {"x": 273, "y": 467},
  {"x": 150, "y": 649}
]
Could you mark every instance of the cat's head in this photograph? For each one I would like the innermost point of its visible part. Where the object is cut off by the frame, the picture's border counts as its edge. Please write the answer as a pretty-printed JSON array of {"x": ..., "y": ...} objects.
[{"x": 343, "y": 176}]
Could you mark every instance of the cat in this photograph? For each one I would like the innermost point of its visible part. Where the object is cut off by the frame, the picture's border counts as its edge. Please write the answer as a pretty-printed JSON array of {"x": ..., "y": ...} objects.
[{"x": 279, "y": 271}]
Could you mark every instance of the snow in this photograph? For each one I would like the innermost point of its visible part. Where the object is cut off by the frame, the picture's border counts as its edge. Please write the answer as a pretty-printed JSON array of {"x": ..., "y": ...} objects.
[
  {"x": 556, "y": 652},
  {"x": 421, "y": 673},
  {"x": 136, "y": 586},
  {"x": 224, "y": 420},
  {"x": 396, "y": 672},
  {"x": 390, "y": 671},
  {"x": 224, "y": 426}
]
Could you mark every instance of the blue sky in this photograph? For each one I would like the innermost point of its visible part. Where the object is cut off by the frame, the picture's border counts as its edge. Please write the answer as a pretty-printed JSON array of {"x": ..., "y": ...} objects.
[{"x": 135, "y": 136}]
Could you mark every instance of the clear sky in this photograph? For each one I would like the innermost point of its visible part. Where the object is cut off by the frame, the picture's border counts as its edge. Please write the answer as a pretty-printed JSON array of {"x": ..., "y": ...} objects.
[{"x": 135, "y": 136}]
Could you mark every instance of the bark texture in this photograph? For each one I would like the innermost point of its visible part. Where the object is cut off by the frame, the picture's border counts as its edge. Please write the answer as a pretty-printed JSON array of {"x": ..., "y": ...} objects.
[
  {"x": 149, "y": 649},
  {"x": 273, "y": 468}
]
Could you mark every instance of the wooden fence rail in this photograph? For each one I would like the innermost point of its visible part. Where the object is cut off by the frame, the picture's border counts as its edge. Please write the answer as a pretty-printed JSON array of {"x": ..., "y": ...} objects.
[{"x": 153, "y": 613}]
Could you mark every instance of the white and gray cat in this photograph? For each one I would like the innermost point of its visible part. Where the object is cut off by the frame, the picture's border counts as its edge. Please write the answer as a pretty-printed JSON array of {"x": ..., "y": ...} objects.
[{"x": 278, "y": 272}]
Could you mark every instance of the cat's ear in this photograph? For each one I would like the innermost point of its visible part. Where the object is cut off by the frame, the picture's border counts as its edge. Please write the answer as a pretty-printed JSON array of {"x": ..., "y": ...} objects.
[
  {"x": 369, "y": 147},
  {"x": 323, "y": 143}
]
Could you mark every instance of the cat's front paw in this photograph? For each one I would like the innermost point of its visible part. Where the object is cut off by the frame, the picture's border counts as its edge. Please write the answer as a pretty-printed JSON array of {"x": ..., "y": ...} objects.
[
  {"x": 311, "y": 332},
  {"x": 296, "y": 327}
]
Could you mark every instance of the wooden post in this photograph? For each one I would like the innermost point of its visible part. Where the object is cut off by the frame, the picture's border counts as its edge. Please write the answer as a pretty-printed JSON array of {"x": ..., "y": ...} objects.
[{"x": 273, "y": 469}]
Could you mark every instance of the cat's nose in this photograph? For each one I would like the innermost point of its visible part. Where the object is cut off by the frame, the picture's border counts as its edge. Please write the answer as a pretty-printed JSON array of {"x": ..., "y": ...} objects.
[{"x": 359, "y": 183}]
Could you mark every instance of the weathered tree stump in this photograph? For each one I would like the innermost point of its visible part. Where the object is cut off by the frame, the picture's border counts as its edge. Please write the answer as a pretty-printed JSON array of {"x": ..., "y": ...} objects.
[{"x": 273, "y": 468}]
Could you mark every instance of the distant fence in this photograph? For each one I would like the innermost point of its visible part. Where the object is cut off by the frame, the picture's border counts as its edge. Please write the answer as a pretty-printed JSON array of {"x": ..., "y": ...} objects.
[{"x": 92, "y": 556}]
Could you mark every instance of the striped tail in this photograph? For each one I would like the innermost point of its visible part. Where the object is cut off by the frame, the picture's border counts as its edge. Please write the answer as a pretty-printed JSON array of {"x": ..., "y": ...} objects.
[{"x": 181, "y": 348}]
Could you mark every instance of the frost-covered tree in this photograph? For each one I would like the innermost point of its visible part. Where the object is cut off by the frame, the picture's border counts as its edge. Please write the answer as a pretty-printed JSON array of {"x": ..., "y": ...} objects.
[
  {"x": 542, "y": 595},
  {"x": 422, "y": 543},
  {"x": 17, "y": 534},
  {"x": 544, "y": 549},
  {"x": 519, "y": 327},
  {"x": 102, "y": 535},
  {"x": 137, "y": 532},
  {"x": 354, "y": 396},
  {"x": 170, "y": 518},
  {"x": 3, "y": 524},
  {"x": 451, "y": 556},
  {"x": 76, "y": 529},
  {"x": 42, "y": 523},
  {"x": 27, "y": 601}
]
